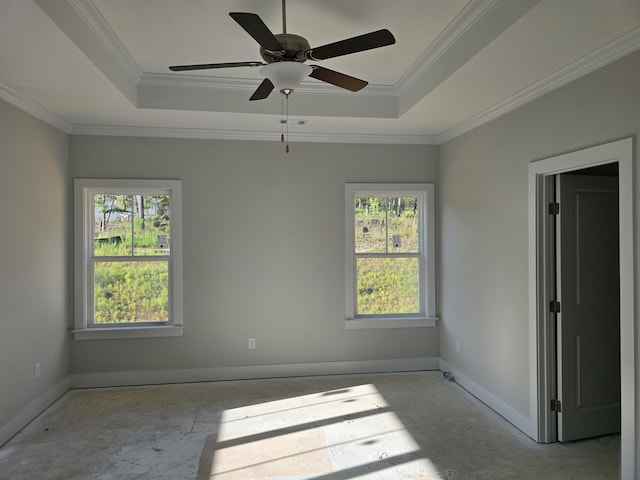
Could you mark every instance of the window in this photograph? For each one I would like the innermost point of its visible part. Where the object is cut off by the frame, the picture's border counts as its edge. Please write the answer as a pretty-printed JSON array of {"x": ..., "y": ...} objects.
[
  {"x": 390, "y": 274},
  {"x": 128, "y": 258}
]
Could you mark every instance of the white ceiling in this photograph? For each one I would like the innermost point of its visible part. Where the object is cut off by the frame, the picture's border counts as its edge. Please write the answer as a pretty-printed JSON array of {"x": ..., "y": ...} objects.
[{"x": 100, "y": 66}]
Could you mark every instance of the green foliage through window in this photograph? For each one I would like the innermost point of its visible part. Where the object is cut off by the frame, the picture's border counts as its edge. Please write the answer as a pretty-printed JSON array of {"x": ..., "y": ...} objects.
[
  {"x": 387, "y": 286},
  {"x": 126, "y": 292},
  {"x": 132, "y": 233},
  {"x": 387, "y": 249}
]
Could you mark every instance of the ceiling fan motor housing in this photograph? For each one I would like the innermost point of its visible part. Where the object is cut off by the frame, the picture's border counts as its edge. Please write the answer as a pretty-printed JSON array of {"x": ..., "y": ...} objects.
[{"x": 295, "y": 48}]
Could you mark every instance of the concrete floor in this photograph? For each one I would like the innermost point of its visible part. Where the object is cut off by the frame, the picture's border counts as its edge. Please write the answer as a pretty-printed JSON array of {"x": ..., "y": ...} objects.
[{"x": 388, "y": 426}]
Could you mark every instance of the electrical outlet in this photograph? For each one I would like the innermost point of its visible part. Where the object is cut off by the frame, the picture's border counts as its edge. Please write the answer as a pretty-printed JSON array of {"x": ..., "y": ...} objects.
[
  {"x": 252, "y": 343},
  {"x": 37, "y": 369},
  {"x": 458, "y": 346}
]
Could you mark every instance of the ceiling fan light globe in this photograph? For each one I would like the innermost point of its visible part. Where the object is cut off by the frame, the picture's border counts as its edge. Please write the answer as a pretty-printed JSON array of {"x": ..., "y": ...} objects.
[{"x": 286, "y": 76}]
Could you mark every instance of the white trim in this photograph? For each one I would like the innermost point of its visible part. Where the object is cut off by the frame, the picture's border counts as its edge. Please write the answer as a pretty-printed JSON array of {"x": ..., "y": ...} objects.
[
  {"x": 425, "y": 192},
  {"x": 469, "y": 15},
  {"x": 315, "y": 87},
  {"x": 628, "y": 329},
  {"x": 83, "y": 241},
  {"x": 34, "y": 408},
  {"x": 154, "y": 377},
  {"x": 502, "y": 408},
  {"x": 174, "y": 132},
  {"x": 198, "y": 81},
  {"x": 112, "y": 333},
  {"x": 360, "y": 323},
  {"x": 91, "y": 15},
  {"x": 26, "y": 104},
  {"x": 614, "y": 50},
  {"x": 252, "y": 135},
  {"x": 622, "y": 152}
]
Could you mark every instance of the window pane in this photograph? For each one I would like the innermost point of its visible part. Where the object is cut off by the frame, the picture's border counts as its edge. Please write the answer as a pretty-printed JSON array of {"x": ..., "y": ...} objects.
[
  {"x": 403, "y": 226},
  {"x": 151, "y": 227},
  {"x": 371, "y": 224},
  {"x": 387, "y": 286},
  {"x": 126, "y": 292},
  {"x": 386, "y": 224},
  {"x": 112, "y": 225}
]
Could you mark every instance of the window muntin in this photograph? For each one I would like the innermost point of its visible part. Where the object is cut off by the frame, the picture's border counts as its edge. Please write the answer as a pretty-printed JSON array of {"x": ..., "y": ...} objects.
[
  {"x": 389, "y": 257},
  {"x": 386, "y": 224},
  {"x": 128, "y": 266},
  {"x": 130, "y": 232}
]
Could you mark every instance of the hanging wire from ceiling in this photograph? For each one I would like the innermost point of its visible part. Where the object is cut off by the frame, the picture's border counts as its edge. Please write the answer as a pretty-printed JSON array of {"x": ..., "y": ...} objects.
[{"x": 284, "y": 120}]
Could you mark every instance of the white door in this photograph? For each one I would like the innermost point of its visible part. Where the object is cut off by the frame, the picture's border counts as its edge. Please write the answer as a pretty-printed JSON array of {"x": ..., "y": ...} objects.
[{"x": 589, "y": 320}]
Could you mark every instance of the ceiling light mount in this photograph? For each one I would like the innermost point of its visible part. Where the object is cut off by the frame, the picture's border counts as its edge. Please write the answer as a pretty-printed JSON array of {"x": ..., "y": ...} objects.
[{"x": 286, "y": 76}]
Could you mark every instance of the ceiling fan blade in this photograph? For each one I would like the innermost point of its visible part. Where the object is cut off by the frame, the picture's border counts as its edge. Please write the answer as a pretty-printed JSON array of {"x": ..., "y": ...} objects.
[
  {"x": 205, "y": 66},
  {"x": 263, "y": 90},
  {"x": 255, "y": 27},
  {"x": 368, "y": 41},
  {"x": 338, "y": 79}
]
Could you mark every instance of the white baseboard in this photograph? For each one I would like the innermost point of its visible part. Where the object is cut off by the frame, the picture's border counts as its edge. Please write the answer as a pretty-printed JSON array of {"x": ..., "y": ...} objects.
[
  {"x": 33, "y": 409},
  {"x": 153, "y": 377},
  {"x": 513, "y": 416}
]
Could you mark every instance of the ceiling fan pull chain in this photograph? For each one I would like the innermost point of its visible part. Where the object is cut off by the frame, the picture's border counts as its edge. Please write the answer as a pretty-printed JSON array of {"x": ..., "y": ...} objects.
[
  {"x": 286, "y": 149},
  {"x": 282, "y": 118}
]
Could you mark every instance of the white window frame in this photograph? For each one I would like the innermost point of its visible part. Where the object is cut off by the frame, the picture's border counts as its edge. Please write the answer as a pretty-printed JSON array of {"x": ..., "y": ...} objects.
[
  {"x": 84, "y": 189},
  {"x": 425, "y": 193}
]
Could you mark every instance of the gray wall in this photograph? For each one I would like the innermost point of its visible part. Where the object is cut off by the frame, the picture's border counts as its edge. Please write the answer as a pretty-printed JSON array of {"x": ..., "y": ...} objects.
[
  {"x": 263, "y": 250},
  {"x": 483, "y": 214},
  {"x": 34, "y": 259},
  {"x": 263, "y": 236}
]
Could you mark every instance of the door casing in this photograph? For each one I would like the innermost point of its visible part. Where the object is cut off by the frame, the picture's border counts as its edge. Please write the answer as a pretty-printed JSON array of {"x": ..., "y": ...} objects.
[{"x": 541, "y": 362}]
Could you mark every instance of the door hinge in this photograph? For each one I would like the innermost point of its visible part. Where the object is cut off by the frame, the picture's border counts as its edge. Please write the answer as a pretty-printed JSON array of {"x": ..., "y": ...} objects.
[
  {"x": 554, "y": 208},
  {"x": 554, "y": 306},
  {"x": 556, "y": 405}
]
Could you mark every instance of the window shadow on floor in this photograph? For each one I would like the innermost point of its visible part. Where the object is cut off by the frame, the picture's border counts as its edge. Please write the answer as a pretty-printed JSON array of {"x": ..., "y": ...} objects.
[{"x": 414, "y": 425}]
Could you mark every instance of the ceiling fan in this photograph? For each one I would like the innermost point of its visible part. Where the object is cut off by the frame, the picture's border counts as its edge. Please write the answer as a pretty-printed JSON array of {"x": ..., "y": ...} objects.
[{"x": 285, "y": 54}]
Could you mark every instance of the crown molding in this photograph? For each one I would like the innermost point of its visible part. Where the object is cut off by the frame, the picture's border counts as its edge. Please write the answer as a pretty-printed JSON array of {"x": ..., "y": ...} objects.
[
  {"x": 23, "y": 102},
  {"x": 251, "y": 135},
  {"x": 472, "y": 12},
  {"x": 91, "y": 15},
  {"x": 196, "y": 81},
  {"x": 618, "y": 48},
  {"x": 172, "y": 80},
  {"x": 614, "y": 50},
  {"x": 172, "y": 132}
]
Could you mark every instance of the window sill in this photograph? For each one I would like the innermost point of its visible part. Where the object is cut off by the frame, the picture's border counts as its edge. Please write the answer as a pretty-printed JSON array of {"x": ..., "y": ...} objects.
[
  {"x": 115, "y": 333},
  {"x": 361, "y": 323}
]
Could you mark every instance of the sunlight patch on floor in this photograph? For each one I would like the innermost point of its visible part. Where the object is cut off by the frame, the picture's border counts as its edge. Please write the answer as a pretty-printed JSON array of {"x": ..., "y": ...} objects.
[{"x": 346, "y": 433}]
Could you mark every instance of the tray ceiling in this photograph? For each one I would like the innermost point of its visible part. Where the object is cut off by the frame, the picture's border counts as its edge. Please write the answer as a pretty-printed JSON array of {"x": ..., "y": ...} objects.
[{"x": 101, "y": 66}]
